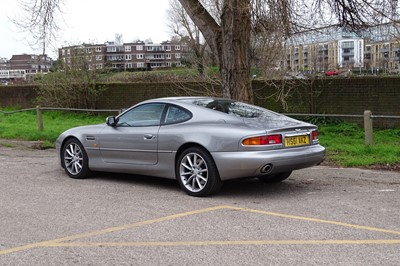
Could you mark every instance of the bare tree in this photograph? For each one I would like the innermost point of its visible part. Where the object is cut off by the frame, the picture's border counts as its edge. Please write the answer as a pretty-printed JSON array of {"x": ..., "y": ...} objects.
[
  {"x": 75, "y": 85},
  {"x": 230, "y": 37},
  {"x": 40, "y": 20},
  {"x": 183, "y": 27}
]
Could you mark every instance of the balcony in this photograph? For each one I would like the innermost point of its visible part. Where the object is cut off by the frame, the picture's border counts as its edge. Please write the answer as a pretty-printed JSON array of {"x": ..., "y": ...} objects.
[
  {"x": 348, "y": 54},
  {"x": 115, "y": 49},
  {"x": 115, "y": 58}
]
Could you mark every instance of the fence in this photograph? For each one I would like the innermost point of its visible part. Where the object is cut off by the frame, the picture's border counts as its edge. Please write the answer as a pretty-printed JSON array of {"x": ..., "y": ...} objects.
[{"x": 367, "y": 116}]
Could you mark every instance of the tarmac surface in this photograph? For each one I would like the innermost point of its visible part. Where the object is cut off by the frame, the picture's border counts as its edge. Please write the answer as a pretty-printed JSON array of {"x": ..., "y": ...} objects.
[{"x": 319, "y": 216}]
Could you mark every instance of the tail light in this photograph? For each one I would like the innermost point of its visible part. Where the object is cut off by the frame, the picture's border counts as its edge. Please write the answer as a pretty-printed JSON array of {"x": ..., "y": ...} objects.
[
  {"x": 314, "y": 135},
  {"x": 263, "y": 140}
]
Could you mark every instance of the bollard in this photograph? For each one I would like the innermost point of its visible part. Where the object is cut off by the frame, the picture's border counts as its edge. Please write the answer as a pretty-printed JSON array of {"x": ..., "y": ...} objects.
[
  {"x": 368, "y": 127},
  {"x": 39, "y": 118}
]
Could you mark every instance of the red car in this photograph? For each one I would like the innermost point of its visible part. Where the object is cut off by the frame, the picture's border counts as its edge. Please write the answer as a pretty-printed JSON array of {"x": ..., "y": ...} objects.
[{"x": 331, "y": 72}]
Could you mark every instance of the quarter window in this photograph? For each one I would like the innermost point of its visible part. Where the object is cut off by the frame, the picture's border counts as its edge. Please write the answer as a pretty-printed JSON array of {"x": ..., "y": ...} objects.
[{"x": 177, "y": 115}]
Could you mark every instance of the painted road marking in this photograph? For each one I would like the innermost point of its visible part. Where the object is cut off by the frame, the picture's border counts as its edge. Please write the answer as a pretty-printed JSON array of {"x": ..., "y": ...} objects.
[{"x": 61, "y": 242}]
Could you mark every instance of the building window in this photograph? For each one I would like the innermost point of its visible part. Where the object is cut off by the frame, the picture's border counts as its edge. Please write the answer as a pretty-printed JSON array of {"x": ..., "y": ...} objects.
[
  {"x": 127, "y": 48},
  {"x": 139, "y": 64},
  {"x": 139, "y": 56},
  {"x": 139, "y": 47},
  {"x": 98, "y": 49},
  {"x": 128, "y": 65},
  {"x": 99, "y": 66},
  {"x": 168, "y": 56},
  {"x": 111, "y": 49},
  {"x": 177, "y": 47},
  {"x": 99, "y": 57},
  {"x": 128, "y": 57},
  {"x": 177, "y": 55},
  {"x": 168, "y": 48}
]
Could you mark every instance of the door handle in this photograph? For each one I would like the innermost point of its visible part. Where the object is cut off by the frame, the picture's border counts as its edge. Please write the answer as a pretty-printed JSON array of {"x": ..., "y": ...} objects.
[{"x": 149, "y": 136}]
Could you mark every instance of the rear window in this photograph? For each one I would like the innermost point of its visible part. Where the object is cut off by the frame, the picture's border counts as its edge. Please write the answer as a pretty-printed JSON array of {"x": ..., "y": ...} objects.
[{"x": 230, "y": 107}]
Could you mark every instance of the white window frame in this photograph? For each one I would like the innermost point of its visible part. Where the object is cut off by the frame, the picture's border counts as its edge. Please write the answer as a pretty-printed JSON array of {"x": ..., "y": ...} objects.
[
  {"x": 139, "y": 56},
  {"x": 177, "y": 47},
  {"x": 128, "y": 57},
  {"x": 139, "y": 47},
  {"x": 178, "y": 55},
  {"x": 128, "y": 48},
  {"x": 139, "y": 64}
]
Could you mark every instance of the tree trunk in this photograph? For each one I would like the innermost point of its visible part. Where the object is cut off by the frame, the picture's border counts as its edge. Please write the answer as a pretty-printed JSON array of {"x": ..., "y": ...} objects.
[
  {"x": 230, "y": 41},
  {"x": 235, "y": 64}
]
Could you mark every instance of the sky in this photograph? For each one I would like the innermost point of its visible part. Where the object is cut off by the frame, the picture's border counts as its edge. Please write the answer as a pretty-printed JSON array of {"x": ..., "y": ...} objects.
[{"x": 90, "y": 21}]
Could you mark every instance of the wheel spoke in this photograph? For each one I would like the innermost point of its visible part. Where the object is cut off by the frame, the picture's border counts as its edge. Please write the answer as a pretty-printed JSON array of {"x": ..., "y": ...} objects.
[{"x": 199, "y": 183}]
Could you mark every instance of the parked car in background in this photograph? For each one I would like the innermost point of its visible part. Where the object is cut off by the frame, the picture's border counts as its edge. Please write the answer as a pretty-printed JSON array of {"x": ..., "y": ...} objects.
[
  {"x": 332, "y": 72},
  {"x": 200, "y": 141}
]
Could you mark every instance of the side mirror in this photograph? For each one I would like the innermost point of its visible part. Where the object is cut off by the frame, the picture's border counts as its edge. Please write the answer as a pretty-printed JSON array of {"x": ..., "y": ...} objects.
[{"x": 111, "y": 121}]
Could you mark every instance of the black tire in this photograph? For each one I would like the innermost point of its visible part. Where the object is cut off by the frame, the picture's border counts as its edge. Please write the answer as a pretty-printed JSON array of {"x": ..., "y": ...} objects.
[
  {"x": 196, "y": 173},
  {"x": 276, "y": 178},
  {"x": 74, "y": 159}
]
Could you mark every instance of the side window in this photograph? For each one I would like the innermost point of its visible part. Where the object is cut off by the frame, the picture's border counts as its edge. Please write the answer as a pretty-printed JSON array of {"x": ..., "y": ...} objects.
[
  {"x": 143, "y": 115},
  {"x": 177, "y": 115}
]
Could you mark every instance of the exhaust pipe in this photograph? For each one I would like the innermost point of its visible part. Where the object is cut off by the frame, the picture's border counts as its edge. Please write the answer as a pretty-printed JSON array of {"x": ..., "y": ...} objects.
[{"x": 266, "y": 169}]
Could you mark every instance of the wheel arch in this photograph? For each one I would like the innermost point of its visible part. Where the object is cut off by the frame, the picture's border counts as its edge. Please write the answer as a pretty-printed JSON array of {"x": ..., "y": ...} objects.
[{"x": 191, "y": 145}]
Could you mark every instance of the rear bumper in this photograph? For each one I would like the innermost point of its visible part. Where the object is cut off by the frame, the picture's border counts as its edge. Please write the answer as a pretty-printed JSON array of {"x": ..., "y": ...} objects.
[{"x": 233, "y": 165}]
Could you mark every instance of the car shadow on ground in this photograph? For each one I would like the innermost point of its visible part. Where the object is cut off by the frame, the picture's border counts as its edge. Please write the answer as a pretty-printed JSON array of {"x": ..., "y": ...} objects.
[{"x": 236, "y": 188}]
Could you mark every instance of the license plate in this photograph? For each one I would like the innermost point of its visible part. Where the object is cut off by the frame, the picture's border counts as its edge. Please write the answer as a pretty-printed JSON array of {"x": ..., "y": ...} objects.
[{"x": 296, "y": 141}]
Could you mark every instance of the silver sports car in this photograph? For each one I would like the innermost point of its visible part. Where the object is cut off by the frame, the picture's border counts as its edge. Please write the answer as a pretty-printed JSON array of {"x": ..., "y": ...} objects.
[{"x": 200, "y": 141}]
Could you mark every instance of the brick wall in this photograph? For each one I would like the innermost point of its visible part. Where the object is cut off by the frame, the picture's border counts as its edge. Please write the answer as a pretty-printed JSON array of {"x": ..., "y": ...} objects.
[
  {"x": 324, "y": 96},
  {"x": 17, "y": 96}
]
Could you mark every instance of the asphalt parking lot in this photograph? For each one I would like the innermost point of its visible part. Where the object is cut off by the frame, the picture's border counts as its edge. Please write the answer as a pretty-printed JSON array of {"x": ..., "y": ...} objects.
[{"x": 319, "y": 216}]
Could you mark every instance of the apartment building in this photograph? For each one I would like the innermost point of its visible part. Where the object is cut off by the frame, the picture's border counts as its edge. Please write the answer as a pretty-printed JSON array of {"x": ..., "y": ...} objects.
[
  {"x": 335, "y": 48},
  {"x": 135, "y": 55},
  {"x": 24, "y": 66}
]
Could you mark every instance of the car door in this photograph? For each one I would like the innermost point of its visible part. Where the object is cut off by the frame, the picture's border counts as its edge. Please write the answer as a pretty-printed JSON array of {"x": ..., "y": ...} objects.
[{"x": 134, "y": 138}]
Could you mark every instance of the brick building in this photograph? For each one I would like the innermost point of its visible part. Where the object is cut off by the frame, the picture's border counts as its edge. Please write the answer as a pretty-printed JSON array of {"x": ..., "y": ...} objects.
[
  {"x": 135, "y": 55},
  {"x": 24, "y": 66}
]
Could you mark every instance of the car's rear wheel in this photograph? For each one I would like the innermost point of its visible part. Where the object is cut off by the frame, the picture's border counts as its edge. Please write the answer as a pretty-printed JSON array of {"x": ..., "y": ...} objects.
[
  {"x": 196, "y": 172},
  {"x": 275, "y": 178},
  {"x": 75, "y": 160}
]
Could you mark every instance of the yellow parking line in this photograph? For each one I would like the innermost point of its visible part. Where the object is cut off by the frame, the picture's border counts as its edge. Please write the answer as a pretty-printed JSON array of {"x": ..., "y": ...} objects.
[
  {"x": 361, "y": 227},
  {"x": 109, "y": 230},
  {"x": 230, "y": 243},
  {"x": 59, "y": 241}
]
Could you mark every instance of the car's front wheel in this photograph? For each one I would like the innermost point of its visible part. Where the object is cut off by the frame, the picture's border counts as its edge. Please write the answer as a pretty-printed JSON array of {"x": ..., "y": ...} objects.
[
  {"x": 196, "y": 172},
  {"x": 74, "y": 159},
  {"x": 275, "y": 178}
]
